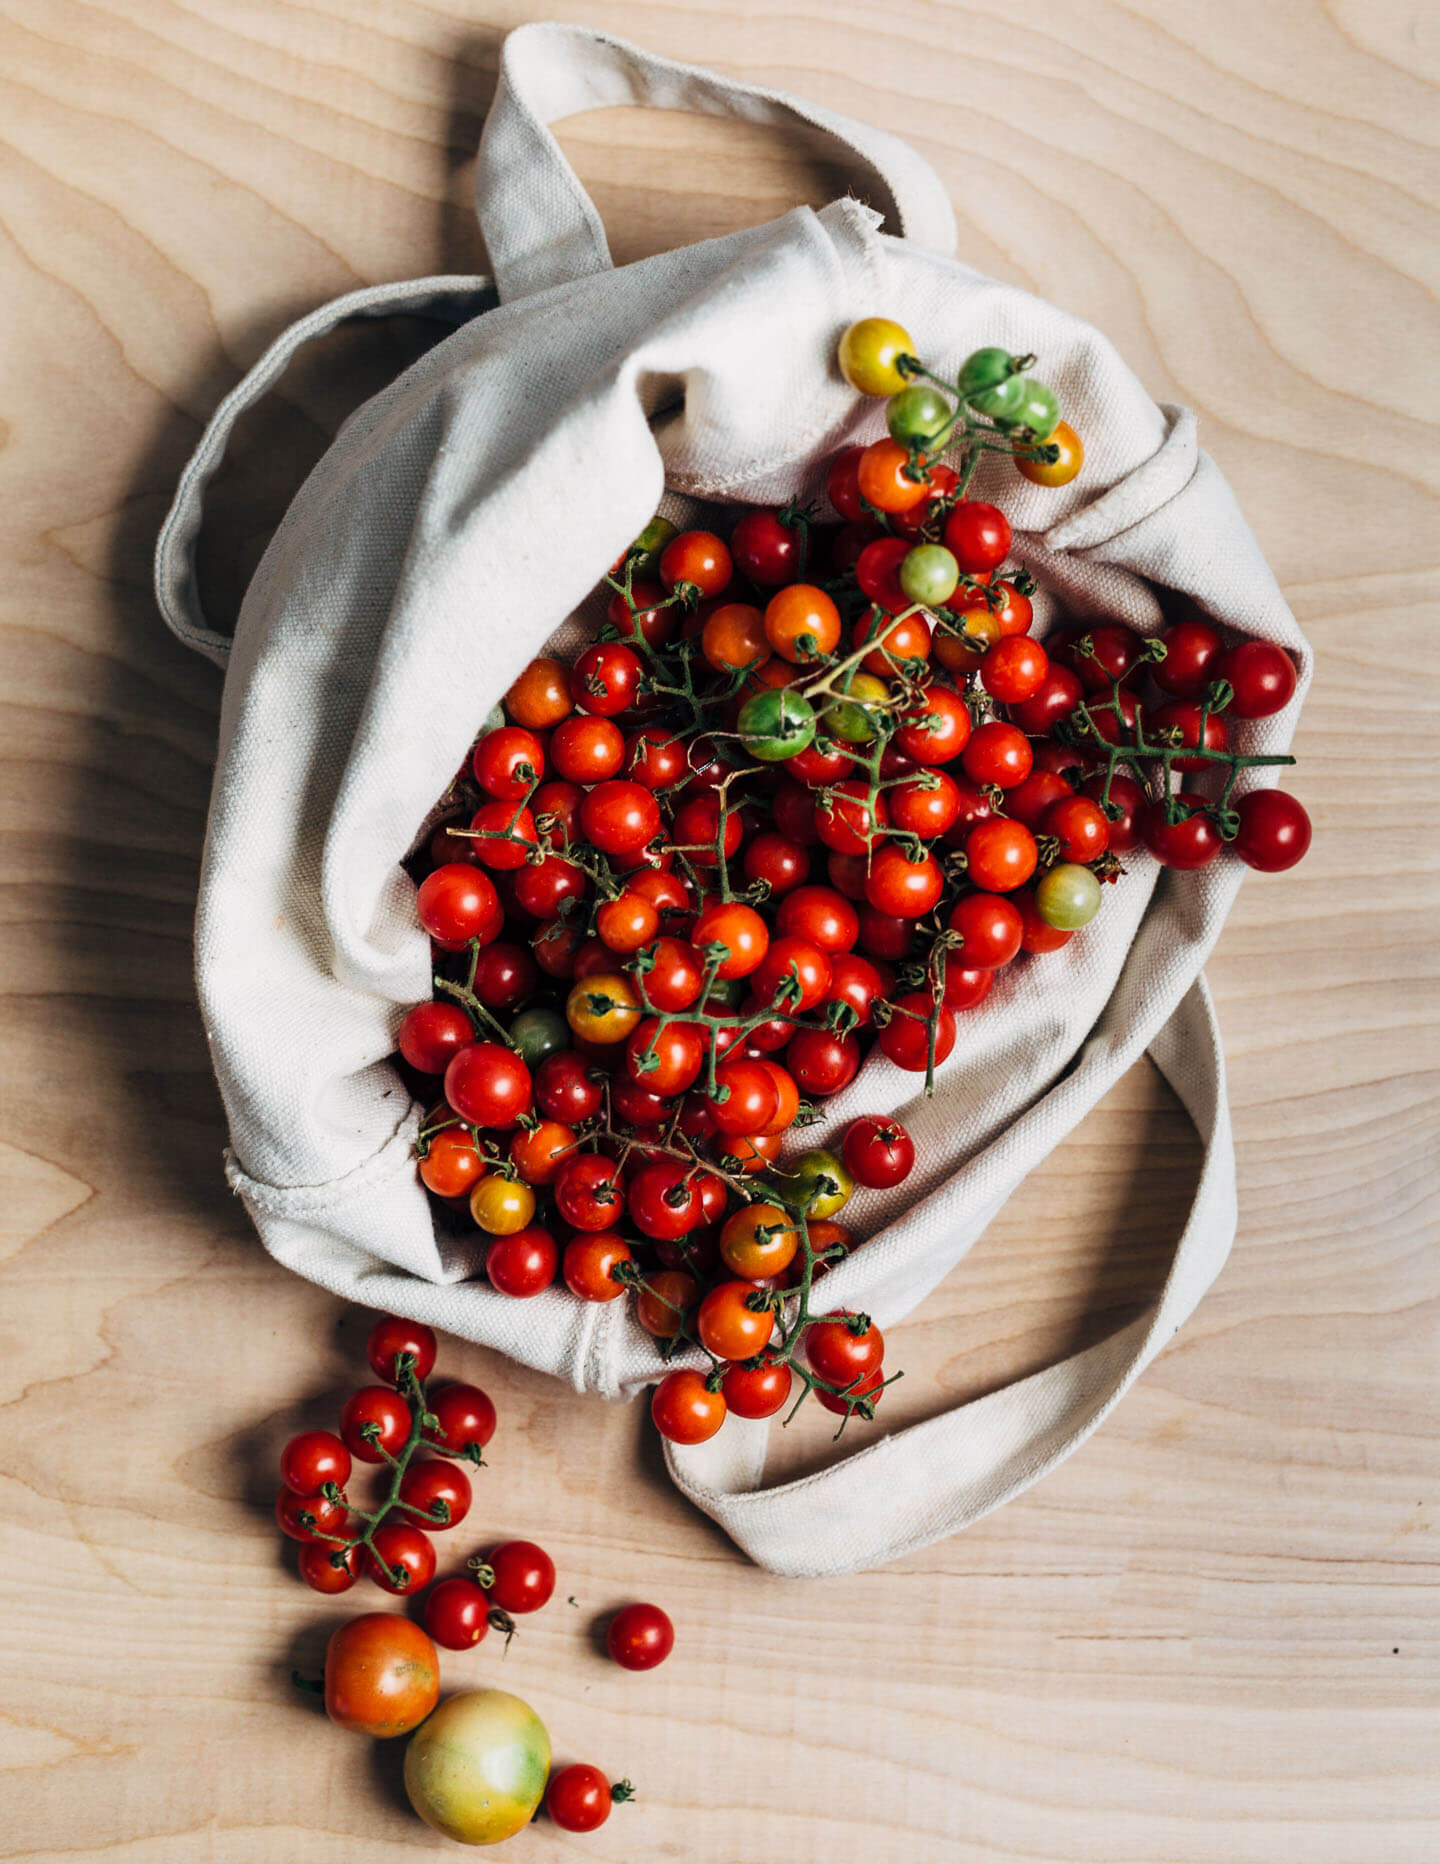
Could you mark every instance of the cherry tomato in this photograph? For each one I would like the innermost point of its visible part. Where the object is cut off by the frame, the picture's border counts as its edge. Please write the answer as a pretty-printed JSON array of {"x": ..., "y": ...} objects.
[
  {"x": 937, "y": 728},
  {"x": 697, "y": 830},
  {"x": 501, "y": 1206},
  {"x": 312, "y": 1459},
  {"x": 769, "y": 548},
  {"x": 802, "y": 623},
  {"x": 505, "y": 976},
  {"x": 578, "y": 1797},
  {"x": 382, "y": 1675},
  {"x": 1015, "y": 669},
  {"x": 758, "y": 1241},
  {"x": 822, "y": 1062},
  {"x": 508, "y": 763},
  {"x": 745, "y": 1099},
  {"x": 588, "y": 750},
  {"x": 488, "y": 1085},
  {"x": 730, "y": 1329},
  {"x": 758, "y": 1390},
  {"x": 878, "y": 1153},
  {"x": 849, "y": 820},
  {"x": 977, "y": 535},
  {"x": 788, "y": 1106},
  {"x": 1126, "y": 795},
  {"x": 431, "y": 1034},
  {"x": 684, "y": 1409},
  {"x": 501, "y": 836},
  {"x": 1192, "y": 648},
  {"x": 905, "y": 1039},
  {"x": 1067, "y": 896},
  {"x": 966, "y": 985},
  {"x": 781, "y": 863},
  {"x": 1114, "y": 654},
  {"x": 927, "y": 805},
  {"x": 1036, "y": 936},
  {"x": 589, "y": 1264},
  {"x": 451, "y": 1166},
  {"x": 1031, "y": 801},
  {"x": 457, "y": 1614},
  {"x": 588, "y": 1192},
  {"x": 538, "y": 1152},
  {"x": 390, "y": 1337},
  {"x": 1056, "y": 697},
  {"x": 1183, "y": 716},
  {"x": 649, "y": 614},
  {"x": 1262, "y": 675},
  {"x": 524, "y": 1577},
  {"x": 1080, "y": 827},
  {"x": 1274, "y": 831},
  {"x": 910, "y": 524},
  {"x": 901, "y": 887},
  {"x": 842, "y": 484},
  {"x": 885, "y": 936},
  {"x": 564, "y": 1090},
  {"x": 1058, "y": 471},
  {"x": 605, "y": 679},
  {"x": 665, "y": 1302},
  {"x": 1000, "y": 855},
  {"x": 603, "y": 1007},
  {"x": 856, "y": 982},
  {"x": 1192, "y": 842},
  {"x": 795, "y": 974},
  {"x": 998, "y": 753},
  {"x": 627, "y": 923},
  {"x": 844, "y": 1347},
  {"x": 794, "y": 811},
  {"x": 540, "y": 698},
  {"x": 656, "y": 758},
  {"x": 639, "y": 1637},
  {"x": 401, "y": 1558},
  {"x": 328, "y": 1569},
  {"x": 877, "y": 570},
  {"x": 378, "y": 1407},
  {"x": 735, "y": 930},
  {"x": 309, "y": 1517},
  {"x": 555, "y": 808},
  {"x": 522, "y": 1264},
  {"x": 619, "y": 817},
  {"x": 989, "y": 926},
  {"x": 870, "y": 355},
  {"x": 664, "y": 1199},
  {"x": 887, "y": 479},
  {"x": 698, "y": 560},
  {"x": 435, "y": 1487},
  {"x": 868, "y": 1391},
  {"x": 464, "y": 1417},
  {"x": 458, "y": 903}
]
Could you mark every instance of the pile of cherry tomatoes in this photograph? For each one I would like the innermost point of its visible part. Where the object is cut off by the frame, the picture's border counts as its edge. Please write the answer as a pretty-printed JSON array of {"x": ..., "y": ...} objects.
[{"x": 811, "y": 789}]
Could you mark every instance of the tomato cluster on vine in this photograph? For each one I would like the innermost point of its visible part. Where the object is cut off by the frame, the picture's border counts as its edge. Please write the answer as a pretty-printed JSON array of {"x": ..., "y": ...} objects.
[{"x": 814, "y": 786}]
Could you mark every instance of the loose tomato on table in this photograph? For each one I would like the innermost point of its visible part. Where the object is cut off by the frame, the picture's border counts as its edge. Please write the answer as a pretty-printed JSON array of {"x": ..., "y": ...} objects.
[{"x": 382, "y": 1675}]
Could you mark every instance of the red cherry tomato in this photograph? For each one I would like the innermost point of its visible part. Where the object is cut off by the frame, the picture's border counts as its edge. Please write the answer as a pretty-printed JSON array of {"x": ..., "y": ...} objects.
[
  {"x": 328, "y": 1569},
  {"x": 966, "y": 985},
  {"x": 1126, "y": 796},
  {"x": 868, "y": 1391},
  {"x": 605, "y": 679},
  {"x": 844, "y": 1347},
  {"x": 401, "y": 1558},
  {"x": 1262, "y": 675},
  {"x": 1183, "y": 716},
  {"x": 1080, "y": 826},
  {"x": 878, "y": 1153},
  {"x": 697, "y": 559},
  {"x": 927, "y": 805},
  {"x": 435, "y": 1487},
  {"x": 795, "y": 974},
  {"x": 977, "y": 536},
  {"x": 937, "y": 728},
  {"x": 524, "y": 1576},
  {"x": 464, "y": 1419},
  {"x": 664, "y": 1199},
  {"x": 781, "y": 863},
  {"x": 1192, "y": 842},
  {"x": 1000, "y": 855},
  {"x": 998, "y": 753},
  {"x": 522, "y": 1265},
  {"x": 1055, "y": 698},
  {"x": 590, "y": 1262},
  {"x": 1191, "y": 650},
  {"x": 508, "y": 763},
  {"x": 390, "y": 1337},
  {"x": 639, "y": 1637},
  {"x": 578, "y": 1797},
  {"x": 1115, "y": 653},
  {"x": 588, "y": 1192},
  {"x": 375, "y": 1407},
  {"x": 1031, "y": 801},
  {"x": 458, "y": 903},
  {"x": 989, "y": 926},
  {"x": 432, "y": 1033},
  {"x": 488, "y": 1085},
  {"x": 905, "y": 1039},
  {"x": 904, "y": 888},
  {"x": 842, "y": 484},
  {"x": 309, "y": 1517},
  {"x": 820, "y": 915},
  {"x": 769, "y": 549},
  {"x": 822, "y": 1062},
  {"x": 587, "y": 750},
  {"x": 1015, "y": 669},
  {"x": 1274, "y": 831},
  {"x": 564, "y": 1090},
  {"x": 684, "y": 1409},
  {"x": 759, "y": 1390},
  {"x": 1037, "y": 935},
  {"x": 457, "y": 1614},
  {"x": 312, "y": 1459}
]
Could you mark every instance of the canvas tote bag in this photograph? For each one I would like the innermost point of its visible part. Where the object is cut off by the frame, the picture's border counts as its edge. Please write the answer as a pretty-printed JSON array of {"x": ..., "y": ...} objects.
[{"x": 455, "y": 528}]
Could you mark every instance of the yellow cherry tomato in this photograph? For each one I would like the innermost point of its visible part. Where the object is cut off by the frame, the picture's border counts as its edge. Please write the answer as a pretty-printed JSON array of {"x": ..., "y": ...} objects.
[
  {"x": 1072, "y": 458},
  {"x": 870, "y": 352},
  {"x": 502, "y": 1206},
  {"x": 476, "y": 1770},
  {"x": 603, "y": 1008}
]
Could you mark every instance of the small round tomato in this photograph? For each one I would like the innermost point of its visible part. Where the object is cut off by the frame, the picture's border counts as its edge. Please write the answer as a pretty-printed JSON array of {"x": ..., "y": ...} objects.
[
  {"x": 578, "y": 1797},
  {"x": 309, "y": 1517},
  {"x": 733, "y": 932},
  {"x": 1108, "y": 652},
  {"x": 903, "y": 888},
  {"x": 697, "y": 560},
  {"x": 795, "y": 975},
  {"x": 382, "y": 1675},
  {"x": 1274, "y": 831},
  {"x": 1036, "y": 936},
  {"x": 555, "y": 809},
  {"x": 758, "y": 1390},
  {"x": 889, "y": 479},
  {"x": 1262, "y": 675},
  {"x": 821, "y": 1184},
  {"x": 1126, "y": 797},
  {"x": 977, "y": 535},
  {"x": 844, "y": 1347},
  {"x": 781, "y": 863},
  {"x": 856, "y": 982},
  {"x": 733, "y": 638},
  {"x": 674, "y": 980},
  {"x": 464, "y": 1419},
  {"x": 842, "y": 485},
  {"x": 603, "y": 1008},
  {"x": 696, "y": 830},
  {"x": 590, "y": 1262},
  {"x": 684, "y": 1409},
  {"x": 1067, "y": 896},
  {"x": 989, "y": 928},
  {"x": 501, "y": 1206},
  {"x": 728, "y": 1327},
  {"x": 1192, "y": 648},
  {"x": 1180, "y": 721},
  {"x": 508, "y": 763},
  {"x": 1191, "y": 842},
  {"x": 930, "y": 575},
  {"x": 821, "y": 917},
  {"x": 802, "y": 623},
  {"x": 587, "y": 750},
  {"x": 745, "y": 1099},
  {"x": 1064, "y": 468},
  {"x": 871, "y": 355},
  {"x": 926, "y": 805},
  {"x": 627, "y": 923},
  {"x": 605, "y": 679},
  {"x": 769, "y": 547},
  {"x": 965, "y": 985},
  {"x": 1000, "y": 855},
  {"x": 540, "y": 698},
  {"x": 758, "y": 1241},
  {"x": 1055, "y": 698},
  {"x": 1015, "y": 669},
  {"x": 458, "y": 903},
  {"x": 312, "y": 1459},
  {"x": 858, "y": 1399},
  {"x": 505, "y": 976},
  {"x": 905, "y": 1039},
  {"x": 432, "y": 1033},
  {"x": 619, "y": 817},
  {"x": 401, "y": 1558},
  {"x": 822, "y": 1061},
  {"x": 523, "y": 1577},
  {"x": 502, "y": 836},
  {"x": 522, "y": 1264},
  {"x": 877, "y": 570},
  {"x": 1031, "y": 801},
  {"x": 665, "y": 1302},
  {"x": 392, "y": 1337},
  {"x": 656, "y": 758},
  {"x": 650, "y": 615},
  {"x": 1079, "y": 825},
  {"x": 439, "y": 1490},
  {"x": 639, "y": 1637},
  {"x": 457, "y": 1614},
  {"x": 999, "y": 754},
  {"x": 564, "y": 1089},
  {"x": 937, "y": 728},
  {"x": 328, "y": 1569},
  {"x": 664, "y": 1199},
  {"x": 849, "y": 819},
  {"x": 375, "y": 1420},
  {"x": 537, "y": 1152},
  {"x": 488, "y": 1085},
  {"x": 878, "y": 1153},
  {"x": 588, "y": 1192}
]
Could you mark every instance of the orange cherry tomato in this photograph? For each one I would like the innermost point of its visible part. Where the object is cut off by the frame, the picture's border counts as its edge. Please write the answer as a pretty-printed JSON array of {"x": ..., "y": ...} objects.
[
  {"x": 734, "y": 637},
  {"x": 627, "y": 923},
  {"x": 906, "y": 639},
  {"x": 963, "y": 653},
  {"x": 665, "y": 1302},
  {"x": 452, "y": 1164},
  {"x": 751, "y": 1153},
  {"x": 802, "y": 623},
  {"x": 758, "y": 1241},
  {"x": 728, "y": 1328},
  {"x": 539, "y": 1153},
  {"x": 588, "y": 1262},
  {"x": 540, "y": 697},
  {"x": 684, "y": 1408},
  {"x": 1063, "y": 470},
  {"x": 885, "y": 481},
  {"x": 382, "y": 1675}
]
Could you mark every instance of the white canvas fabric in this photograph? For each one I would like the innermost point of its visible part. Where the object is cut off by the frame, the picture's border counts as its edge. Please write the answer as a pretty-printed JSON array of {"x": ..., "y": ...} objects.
[{"x": 456, "y": 527}]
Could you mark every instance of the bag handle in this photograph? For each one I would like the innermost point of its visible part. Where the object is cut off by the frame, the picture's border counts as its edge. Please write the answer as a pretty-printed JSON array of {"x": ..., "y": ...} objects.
[
  {"x": 541, "y": 227},
  {"x": 930, "y": 1481},
  {"x": 452, "y": 300}
]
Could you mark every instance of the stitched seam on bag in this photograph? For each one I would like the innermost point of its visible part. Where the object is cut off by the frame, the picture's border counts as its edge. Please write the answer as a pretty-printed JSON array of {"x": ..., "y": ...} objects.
[{"x": 394, "y": 1158}]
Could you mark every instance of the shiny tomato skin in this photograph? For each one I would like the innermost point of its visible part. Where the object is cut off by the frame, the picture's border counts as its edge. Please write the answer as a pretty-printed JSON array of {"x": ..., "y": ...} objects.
[
  {"x": 1037, "y": 936},
  {"x": 698, "y": 559},
  {"x": 664, "y": 1199},
  {"x": 998, "y": 753},
  {"x": 508, "y": 762},
  {"x": 978, "y": 536},
  {"x": 524, "y": 1576},
  {"x": 795, "y": 974},
  {"x": 684, "y": 1409},
  {"x": 821, "y": 915},
  {"x": 757, "y": 1391},
  {"x": 1184, "y": 716},
  {"x": 1055, "y": 698},
  {"x": 904, "y": 888},
  {"x": 523, "y": 1264},
  {"x": 427, "y": 1482},
  {"x": 564, "y": 1090},
  {"x": 855, "y": 981},
  {"x": 1126, "y": 793},
  {"x": 328, "y": 1518},
  {"x": 1116, "y": 654},
  {"x": 457, "y": 903},
  {"x": 457, "y": 1614},
  {"x": 989, "y": 925},
  {"x": 1192, "y": 647},
  {"x": 1187, "y": 845},
  {"x": 1262, "y": 675},
  {"x": 464, "y": 1417},
  {"x": 1001, "y": 855},
  {"x": 432, "y": 1033},
  {"x": 312, "y": 1459},
  {"x": 905, "y": 1038},
  {"x": 578, "y": 1797},
  {"x": 822, "y": 1062},
  {"x": 399, "y": 1548},
  {"x": 589, "y": 1261},
  {"x": 382, "y": 1675},
  {"x": 938, "y": 728},
  {"x": 587, "y": 749},
  {"x": 966, "y": 986},
  {"x": 639, "y": 1637},
  {"x": 878, "y": 1153},
  {"x": 842, "y": 484},
  {"x": 488, "y": 1085},
  {"x": 319, "y": 1569},
  {"x": 1079, "y": 825},
  {"x": 1030, "y": 801},
  {"x": 767, "y": 549},
  {"x": 871, "y": 1389},
  {"x": 839, "y": 1355},
  {"x": 728, "y": 1328},
  {"x": 375, "y": 1404},
  {"x": 588, "y": 1192},
  {"x": 781, "y": 863},
  {"x": 1274, "y": 831}
]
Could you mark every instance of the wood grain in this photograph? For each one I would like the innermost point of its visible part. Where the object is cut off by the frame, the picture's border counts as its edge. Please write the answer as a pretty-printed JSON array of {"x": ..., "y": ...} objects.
[{"x": 1211, "y": 1637}]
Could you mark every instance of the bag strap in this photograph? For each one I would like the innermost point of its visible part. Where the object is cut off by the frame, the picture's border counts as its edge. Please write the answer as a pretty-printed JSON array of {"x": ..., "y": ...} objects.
[
  {"x": 451, "y": 300},
  {"x": 933, "y": 1479},
  {"x": 541, "y": 228}
]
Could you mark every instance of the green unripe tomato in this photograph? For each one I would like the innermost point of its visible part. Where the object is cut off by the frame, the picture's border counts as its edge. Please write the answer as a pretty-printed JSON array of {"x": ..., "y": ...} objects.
[
  {"x": 984, "y": 369},
  {"x": 819, "y": 1184},
  {"x": 731, "y": 991},
  {"x": 476, "y": 1770},
  {"x": 1038, "y": 409},
  {"x": 917, "y": 413},
  {"x": 1068, "y": 897},
  {"x": 1002, "y": 402},
  {"x": 929, "y": 574},
  {"x": 538, "y": 1032},
  {"x": 852, "y": 719},
  {"x": 776, "y": 724}
]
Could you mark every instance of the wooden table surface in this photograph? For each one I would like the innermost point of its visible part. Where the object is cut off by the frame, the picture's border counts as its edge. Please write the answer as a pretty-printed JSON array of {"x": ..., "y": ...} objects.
[{"x": 1210, "y": 1638}]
